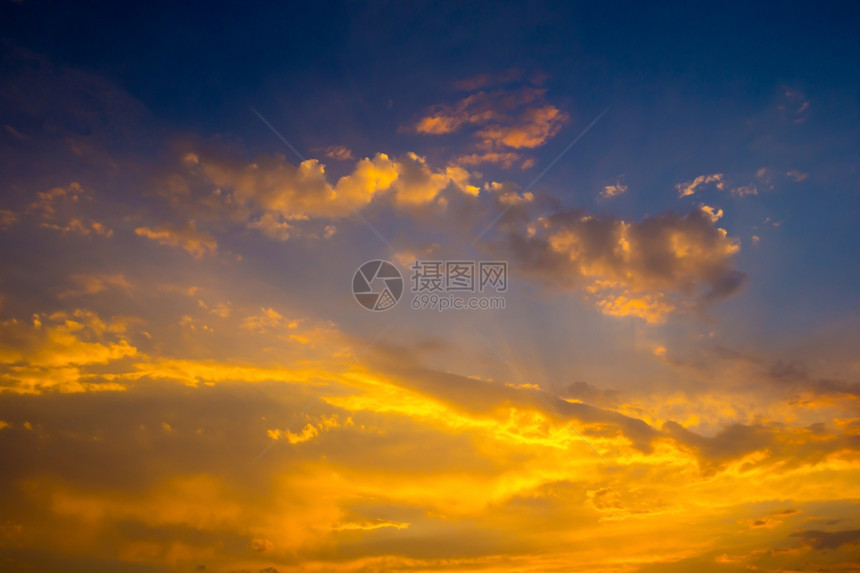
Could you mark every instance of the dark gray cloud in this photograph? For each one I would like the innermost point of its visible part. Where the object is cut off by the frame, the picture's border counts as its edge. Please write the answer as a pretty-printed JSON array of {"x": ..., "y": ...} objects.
[
  {"x": 687, "y": 255},
  {"x": 818, "y": 539}
]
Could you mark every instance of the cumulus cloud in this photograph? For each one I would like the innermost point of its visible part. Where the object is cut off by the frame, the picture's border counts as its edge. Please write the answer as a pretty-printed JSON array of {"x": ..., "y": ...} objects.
[
  {"x": 283, "y": 200},
  {"x": 631, "y": 266},
  {"x": 646, "y": 269}
]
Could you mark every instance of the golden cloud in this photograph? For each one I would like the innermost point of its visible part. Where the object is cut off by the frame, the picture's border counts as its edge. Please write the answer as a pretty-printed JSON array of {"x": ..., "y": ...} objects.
[
  {"x": 187, "y": 237},
  {"x": 690, "y": 187},
  {"x": 53, "y": 352},
  {"x": 614, "y": 189},
  {"x": 281, "y": 199},
  {"x": 502, "y": 120},
  {"x": 533, "y": 128}
]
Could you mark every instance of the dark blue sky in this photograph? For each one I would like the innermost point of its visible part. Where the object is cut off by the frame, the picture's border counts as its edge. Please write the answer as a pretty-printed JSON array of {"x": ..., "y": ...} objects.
[
  {"x": 693, "y": 89},
  {"x": 191, "y": 62}
]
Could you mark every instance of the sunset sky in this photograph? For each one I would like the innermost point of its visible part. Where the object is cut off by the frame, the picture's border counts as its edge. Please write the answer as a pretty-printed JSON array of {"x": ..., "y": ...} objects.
[{"x": 187, "y": 382}]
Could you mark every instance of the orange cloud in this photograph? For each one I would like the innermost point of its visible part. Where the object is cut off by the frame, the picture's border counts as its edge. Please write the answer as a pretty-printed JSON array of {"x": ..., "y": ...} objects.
[
  {"x": 505, "y": 120},
  {"x": 282, "y": 200},
  {"x": 476, "y": 109},
  {"x": 60, "y": 209},
  {"x": 614, "y": 189},
  {"x": 690, "y": 187},
  {"x": 186, "y": 237},
  {"x": 533, "y": 128},
  {"x": 94, "y": 284},
  {"x": 54, "y": 351},
  {"x": 81, "y": 228}
]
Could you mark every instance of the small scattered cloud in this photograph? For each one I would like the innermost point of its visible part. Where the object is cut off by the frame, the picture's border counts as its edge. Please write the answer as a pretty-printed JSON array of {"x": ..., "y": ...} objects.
[
  {"x": 614, "y": 189},
  {"x": 187, "y": 237},
  {"x": 795, "y": 105},
  {"x": 481, "y": 108},
  {"x": 47, "y": 202},
  {"x": 8, "y": 218},
  {"x": 534, "y": 127},
  {"x": 714, "y": 214},
  {"x": 797, "y": 175},
  {"x": 60, "y": 209},
  {"x": 273, "y": 226},
  {"x": 15, "y": 133},
  {"x": 267, "y": 319},
  {"x": 338, "y": 152},
  {"x": 505, "y": 160},
  {"x": 500, "y": 121},
  {"x": 94, "y": 284},
  {"x": 81, "y": 228},
  {"x": 651, "y": 308},
  {"x": 690, "y": 187},
  {"x": 745, "y": 190}
]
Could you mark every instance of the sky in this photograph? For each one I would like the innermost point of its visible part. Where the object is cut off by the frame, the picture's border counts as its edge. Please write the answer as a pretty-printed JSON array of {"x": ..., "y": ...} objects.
[{"x": 667, "y": 378}]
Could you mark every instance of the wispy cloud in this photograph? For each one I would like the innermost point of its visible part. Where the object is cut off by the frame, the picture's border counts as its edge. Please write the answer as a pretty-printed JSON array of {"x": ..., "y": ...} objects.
[
  {"x": 690, "y": 187},
  {"x": 186, "y": 236}
]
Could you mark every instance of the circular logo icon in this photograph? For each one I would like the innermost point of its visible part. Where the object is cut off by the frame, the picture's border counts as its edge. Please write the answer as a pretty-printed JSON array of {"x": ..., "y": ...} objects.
[{"x": 377, "y": 285}]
